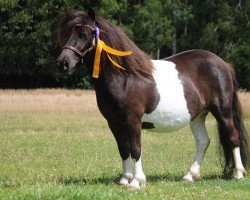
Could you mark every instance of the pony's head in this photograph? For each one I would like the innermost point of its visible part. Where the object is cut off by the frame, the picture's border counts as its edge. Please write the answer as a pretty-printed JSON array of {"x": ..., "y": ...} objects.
[{"x": 76, "y": 34}]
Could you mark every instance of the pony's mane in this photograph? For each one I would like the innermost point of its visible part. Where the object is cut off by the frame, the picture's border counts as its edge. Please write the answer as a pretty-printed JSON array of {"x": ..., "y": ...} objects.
[{"x": 138, "y": 63}]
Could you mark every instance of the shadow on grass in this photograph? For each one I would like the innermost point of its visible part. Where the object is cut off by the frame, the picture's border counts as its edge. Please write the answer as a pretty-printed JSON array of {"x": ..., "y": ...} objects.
[
  {"x": 178, "y": 178},
  {"x": 89, "y": 181},
  {"x": 115, "y": 179},
  {"x": 110, "y": 180}
]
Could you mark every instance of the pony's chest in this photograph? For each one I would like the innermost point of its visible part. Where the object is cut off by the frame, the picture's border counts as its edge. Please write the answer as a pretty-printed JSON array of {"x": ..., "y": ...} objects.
[{"x": 171, "y": 112}]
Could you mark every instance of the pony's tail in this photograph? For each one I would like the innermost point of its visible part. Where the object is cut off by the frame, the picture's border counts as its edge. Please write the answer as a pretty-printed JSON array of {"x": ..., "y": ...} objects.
[
  {"x": 239, "y": 125},
  {"x": 243, "y": 135}
]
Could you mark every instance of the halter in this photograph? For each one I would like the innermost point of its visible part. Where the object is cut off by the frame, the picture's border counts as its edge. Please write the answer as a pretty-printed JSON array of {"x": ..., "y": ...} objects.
[{"x": 82, "y": 54}]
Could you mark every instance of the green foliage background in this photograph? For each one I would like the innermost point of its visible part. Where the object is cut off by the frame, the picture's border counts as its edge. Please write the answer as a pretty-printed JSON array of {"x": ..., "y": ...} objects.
[{"x": 28, "y": 45}]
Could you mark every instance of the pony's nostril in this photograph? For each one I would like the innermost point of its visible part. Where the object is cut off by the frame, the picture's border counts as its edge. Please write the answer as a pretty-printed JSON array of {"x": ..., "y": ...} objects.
[
  {"x": 66, "y": 65},
  {"x": 63, "y": 65}
]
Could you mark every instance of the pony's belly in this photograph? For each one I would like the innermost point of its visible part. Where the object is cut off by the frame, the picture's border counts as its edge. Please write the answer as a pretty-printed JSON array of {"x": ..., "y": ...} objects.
[
  {"x": 165, "y": 120},
  {"x": 171, "y": 112}
]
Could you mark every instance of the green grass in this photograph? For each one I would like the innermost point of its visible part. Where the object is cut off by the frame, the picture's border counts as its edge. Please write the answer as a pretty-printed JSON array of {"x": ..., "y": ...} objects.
[{"x": 65, "y": 154}]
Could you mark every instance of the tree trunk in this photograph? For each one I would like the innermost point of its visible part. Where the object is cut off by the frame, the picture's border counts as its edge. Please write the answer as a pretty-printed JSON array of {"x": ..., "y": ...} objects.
[
  {"x": 158, "y": 53},
  {"x": 174, "y": 42}
]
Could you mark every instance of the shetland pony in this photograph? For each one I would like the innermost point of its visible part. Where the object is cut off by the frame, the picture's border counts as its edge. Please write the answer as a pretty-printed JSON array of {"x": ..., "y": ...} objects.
[{"x": 134, "y": 92}]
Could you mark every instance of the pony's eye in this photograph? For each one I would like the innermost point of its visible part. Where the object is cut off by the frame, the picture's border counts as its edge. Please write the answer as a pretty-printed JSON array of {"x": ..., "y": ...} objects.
[
  {"x": 82, "y": 35},
  {"x": 81, "y": 31}
]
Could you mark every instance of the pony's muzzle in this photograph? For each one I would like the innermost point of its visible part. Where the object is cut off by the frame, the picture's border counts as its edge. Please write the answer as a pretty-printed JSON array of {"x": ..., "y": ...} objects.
[
  {"x": 67, "y": 61},
  {"x": 63, "y": 65}
]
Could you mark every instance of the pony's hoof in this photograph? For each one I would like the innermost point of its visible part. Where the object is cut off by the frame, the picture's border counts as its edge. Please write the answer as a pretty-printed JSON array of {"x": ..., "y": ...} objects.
[
  {"x": 122, "y": 185},
  {"x": 134, "y": 187},
  {"x": 125, "y": 179},
  {"x": 188, "y": 178},
  {"x": 239, "y": 177},
  {"x": 239, "y": 174},
  {"x": 123, "y": 182},
  {"x": 137, "y": 185},
  {"x": 191, "y": 177}
]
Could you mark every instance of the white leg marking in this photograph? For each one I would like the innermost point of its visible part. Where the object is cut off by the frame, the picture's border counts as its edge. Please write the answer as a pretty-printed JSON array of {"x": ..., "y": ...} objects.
[
  {"x": 139, "y": 179},
  {"x": 127, "y": 174},
  {"x": 202, "y": 141},
  {"x": 239, "y": 168}
]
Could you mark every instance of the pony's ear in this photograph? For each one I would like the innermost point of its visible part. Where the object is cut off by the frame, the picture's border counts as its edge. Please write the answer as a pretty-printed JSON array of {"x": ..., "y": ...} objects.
[{"x": 91, "y": 14}]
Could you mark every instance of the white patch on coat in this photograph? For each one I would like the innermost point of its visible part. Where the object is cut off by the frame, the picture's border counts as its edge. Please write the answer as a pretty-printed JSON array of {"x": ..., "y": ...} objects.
[{"x": 171, "y": 112}]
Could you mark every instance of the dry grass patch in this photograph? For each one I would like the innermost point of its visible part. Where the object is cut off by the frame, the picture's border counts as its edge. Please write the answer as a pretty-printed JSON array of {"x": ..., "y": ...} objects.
[
  {"x": 53, "y": 100},
  {"x": 245, "y": 101},
  {"x": 47, "y": 100}
]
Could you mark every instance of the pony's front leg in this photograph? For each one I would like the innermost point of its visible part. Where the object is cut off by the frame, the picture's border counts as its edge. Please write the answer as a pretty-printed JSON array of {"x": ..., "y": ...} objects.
[
  {"x": 122, "y": 138},
  {"x": 134, "y": 127},
  {"x": 139, "y": 179},
  {"x": 127, "y": 174}
]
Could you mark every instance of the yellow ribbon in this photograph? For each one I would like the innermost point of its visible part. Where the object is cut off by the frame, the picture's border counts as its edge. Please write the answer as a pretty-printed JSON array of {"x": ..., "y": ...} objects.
[{"x": 102, "y": 46}]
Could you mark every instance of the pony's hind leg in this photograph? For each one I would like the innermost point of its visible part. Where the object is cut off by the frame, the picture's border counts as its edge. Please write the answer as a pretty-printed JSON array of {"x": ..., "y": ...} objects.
[
  {"x": 233, "y": 136},
  {"x": 202, "y": 141},
  {"x": 230, "y": 140},
  {"x": 239, "y": 168}
]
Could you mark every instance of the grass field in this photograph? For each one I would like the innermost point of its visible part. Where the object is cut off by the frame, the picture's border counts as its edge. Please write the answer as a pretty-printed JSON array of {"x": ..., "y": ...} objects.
[{"x": 54, "y": 144}]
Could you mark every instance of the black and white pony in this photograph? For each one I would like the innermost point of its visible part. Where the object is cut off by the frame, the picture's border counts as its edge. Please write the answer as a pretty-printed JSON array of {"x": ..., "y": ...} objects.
[{"x": 134, "y": 92}]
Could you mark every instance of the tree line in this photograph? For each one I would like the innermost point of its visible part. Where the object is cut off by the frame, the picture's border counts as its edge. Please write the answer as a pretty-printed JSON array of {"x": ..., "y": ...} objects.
[{"x": 28, "y": 43}]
